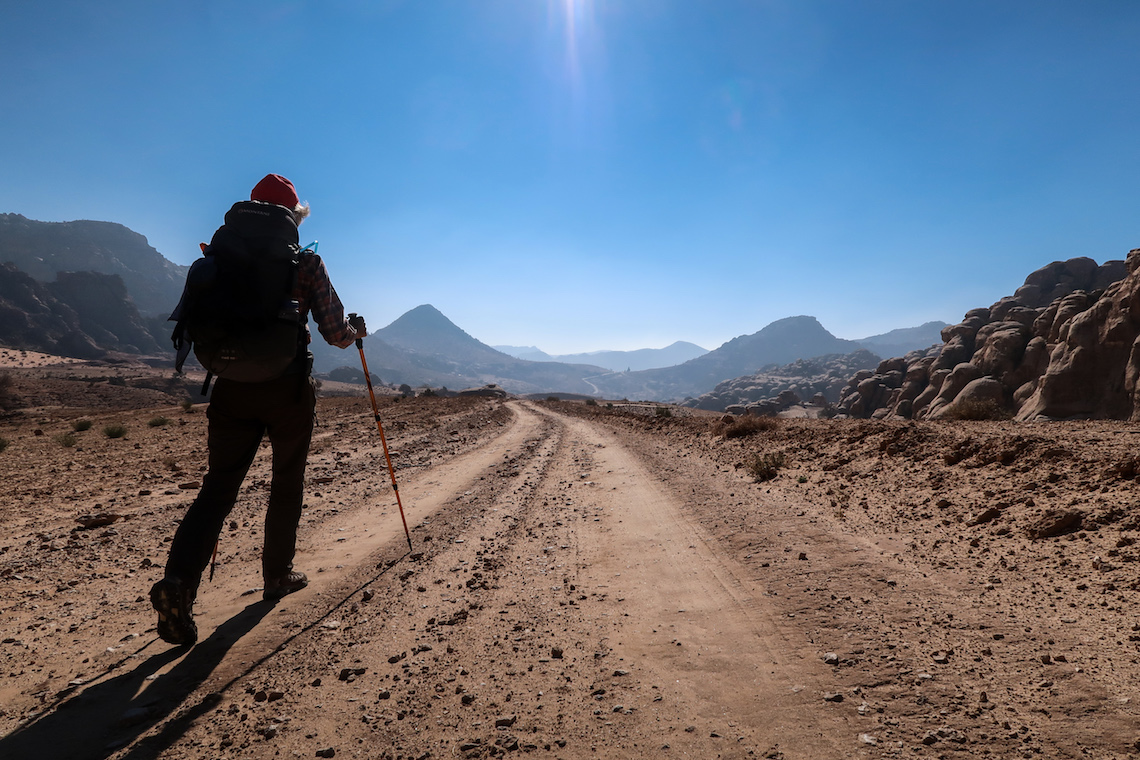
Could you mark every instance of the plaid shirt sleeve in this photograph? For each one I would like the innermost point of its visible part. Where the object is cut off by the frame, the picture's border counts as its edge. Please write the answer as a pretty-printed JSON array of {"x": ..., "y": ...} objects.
[{"x": 315, "y": 293}]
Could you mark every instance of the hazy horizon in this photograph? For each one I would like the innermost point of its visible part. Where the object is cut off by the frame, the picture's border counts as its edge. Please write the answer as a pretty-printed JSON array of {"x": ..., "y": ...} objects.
[{"x": 583, "y": 175}]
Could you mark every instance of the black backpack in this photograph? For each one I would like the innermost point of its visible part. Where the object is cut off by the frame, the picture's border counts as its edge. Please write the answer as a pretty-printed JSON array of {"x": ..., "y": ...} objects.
[{"x": 237, "y": 309}]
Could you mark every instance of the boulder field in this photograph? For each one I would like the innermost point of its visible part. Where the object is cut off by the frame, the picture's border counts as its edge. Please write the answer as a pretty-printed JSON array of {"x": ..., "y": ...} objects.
[{"x": 1063, "y": 346}]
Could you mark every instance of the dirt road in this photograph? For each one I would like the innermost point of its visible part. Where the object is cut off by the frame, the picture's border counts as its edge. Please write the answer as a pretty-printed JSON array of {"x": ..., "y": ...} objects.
[{"x": 578, "y": 588}]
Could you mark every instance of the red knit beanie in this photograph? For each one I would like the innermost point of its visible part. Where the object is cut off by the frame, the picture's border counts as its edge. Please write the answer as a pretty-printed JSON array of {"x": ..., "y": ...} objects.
[{"x": 275, "y": 189}]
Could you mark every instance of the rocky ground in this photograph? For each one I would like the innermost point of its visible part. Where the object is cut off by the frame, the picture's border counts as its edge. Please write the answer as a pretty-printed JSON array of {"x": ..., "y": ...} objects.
[{"x": 583, "y": 582}]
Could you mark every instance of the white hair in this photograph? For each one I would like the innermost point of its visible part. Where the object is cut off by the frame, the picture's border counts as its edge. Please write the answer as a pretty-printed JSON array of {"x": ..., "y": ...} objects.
[{"x": 300, "y": 212}]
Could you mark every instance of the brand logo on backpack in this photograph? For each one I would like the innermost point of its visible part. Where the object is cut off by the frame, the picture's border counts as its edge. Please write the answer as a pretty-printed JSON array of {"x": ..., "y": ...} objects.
[{"x": 237, "y": 309}]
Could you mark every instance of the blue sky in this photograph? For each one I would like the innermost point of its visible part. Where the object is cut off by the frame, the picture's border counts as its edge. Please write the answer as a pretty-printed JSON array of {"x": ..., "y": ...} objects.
[{"x": 583, "y": 175}]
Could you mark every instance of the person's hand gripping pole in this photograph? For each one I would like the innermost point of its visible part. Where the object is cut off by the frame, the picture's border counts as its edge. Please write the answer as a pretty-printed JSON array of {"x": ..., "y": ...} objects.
[{"x": 383, "y": 439}]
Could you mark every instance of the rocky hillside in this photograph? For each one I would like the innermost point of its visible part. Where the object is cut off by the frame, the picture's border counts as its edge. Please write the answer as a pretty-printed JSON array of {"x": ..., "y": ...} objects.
[
  {"x": 1062, "y": 346},
  {"x": 80, "y": 314},
  {"x": 43, "y": 249},
  {"x": 772, "y": 388}
]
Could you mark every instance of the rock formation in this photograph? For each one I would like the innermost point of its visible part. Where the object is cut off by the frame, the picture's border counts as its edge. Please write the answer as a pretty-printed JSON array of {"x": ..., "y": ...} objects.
[{"x": 1061, "y": 346}]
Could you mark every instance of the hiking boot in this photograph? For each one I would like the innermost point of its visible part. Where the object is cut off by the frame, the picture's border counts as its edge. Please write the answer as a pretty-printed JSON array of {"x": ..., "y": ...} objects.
[
  {"x": 175, "y": 608},
  {"x": 275, "y": 588}
]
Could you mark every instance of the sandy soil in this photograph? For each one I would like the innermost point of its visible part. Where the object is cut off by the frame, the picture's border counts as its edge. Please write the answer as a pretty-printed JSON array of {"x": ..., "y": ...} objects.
[{"x": 583, "y": 582}]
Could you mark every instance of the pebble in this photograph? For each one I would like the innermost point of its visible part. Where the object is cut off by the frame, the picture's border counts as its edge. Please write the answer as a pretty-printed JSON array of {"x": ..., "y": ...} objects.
[
  {"x": 831, "y": 658},
  {"x": 326, "y": 752},
  {"x": 832, "y": 696}
]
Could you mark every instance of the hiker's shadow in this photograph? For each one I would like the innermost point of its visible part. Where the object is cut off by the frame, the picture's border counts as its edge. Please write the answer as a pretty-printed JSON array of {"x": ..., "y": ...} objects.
[{"x": 94, "y": 722}]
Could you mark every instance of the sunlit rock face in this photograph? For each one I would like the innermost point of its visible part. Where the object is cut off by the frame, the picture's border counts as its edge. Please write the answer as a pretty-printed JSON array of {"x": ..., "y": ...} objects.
[{"x": 1062, "y": 346}]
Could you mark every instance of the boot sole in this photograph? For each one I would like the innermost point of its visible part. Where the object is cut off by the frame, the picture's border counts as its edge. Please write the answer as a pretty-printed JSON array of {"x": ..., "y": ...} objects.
[{"x": 173, "y": 628}]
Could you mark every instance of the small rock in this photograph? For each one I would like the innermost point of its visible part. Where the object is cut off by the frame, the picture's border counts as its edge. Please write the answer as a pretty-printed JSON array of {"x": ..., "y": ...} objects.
[
  {"x": 868, "y": 739},
  {"x": 556, "y": 653},
  {"x": 831, "y": 658},
  {"x": 506, "y": 721},
  {"x": 832, "y": 696},
  {"x": 467, "y": 699},
  {"x": 930, "y": 738},
  {"x": 326, "y": 752}
]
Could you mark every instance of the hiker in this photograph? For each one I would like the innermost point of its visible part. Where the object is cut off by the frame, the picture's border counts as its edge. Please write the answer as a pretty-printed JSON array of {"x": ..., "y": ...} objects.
[{"x": 241, "y": 411}]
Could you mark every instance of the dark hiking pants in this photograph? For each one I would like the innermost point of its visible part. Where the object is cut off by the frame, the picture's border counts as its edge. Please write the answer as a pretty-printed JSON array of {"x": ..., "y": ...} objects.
[{"x": 239, "y": 415}]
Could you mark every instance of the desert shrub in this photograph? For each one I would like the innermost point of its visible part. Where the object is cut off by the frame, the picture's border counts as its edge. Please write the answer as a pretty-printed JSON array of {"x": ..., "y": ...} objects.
[
  {"x": 746, "y": 425},
  {"x": 591, "y": 402},
  {"x": 115, "y": 431},
  {"x": 764, "y": 467},
  {"x": 802, "y": 479},
  {"x": 664, "y": 411},
  {"x": 158, "y": 421},
  {"x": 609, "y": 406},
  {"x": 116, "y": 380},
  {"x": 80, "y": 425},
  {"x": 67, "y": 440},
  {"x": 171, "y": 463},
  {"x": 187, "y": 405},
  {"x": 4, "y": 443},
  {"x": 979, "y": 411}
]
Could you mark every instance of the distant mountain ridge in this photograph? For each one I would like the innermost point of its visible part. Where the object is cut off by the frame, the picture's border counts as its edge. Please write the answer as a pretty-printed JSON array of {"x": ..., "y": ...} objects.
[
  {"x": 675, "y": 353},
  {"x": 781, "y": 342},
  {"x": 424, "y": 347},
  {"x": 904, "y": 340},
  {"x": 107, "y": 279}
]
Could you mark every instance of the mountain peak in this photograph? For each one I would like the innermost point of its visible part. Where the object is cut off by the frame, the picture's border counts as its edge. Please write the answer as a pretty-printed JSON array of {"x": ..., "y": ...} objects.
[{"x": 425, "y": 329}]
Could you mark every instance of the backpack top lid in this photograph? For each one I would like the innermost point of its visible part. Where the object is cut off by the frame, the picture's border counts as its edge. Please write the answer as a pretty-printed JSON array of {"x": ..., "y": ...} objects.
[{"x": 260, "y": 219}]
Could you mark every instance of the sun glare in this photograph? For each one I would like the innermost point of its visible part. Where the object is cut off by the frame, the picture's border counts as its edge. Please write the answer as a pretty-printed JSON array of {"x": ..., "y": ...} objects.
[{"x": 576, "y": 20}]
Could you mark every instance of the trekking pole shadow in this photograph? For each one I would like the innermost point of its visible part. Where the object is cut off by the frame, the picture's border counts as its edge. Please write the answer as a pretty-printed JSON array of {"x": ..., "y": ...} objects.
[{"x": 94, "y": 722}]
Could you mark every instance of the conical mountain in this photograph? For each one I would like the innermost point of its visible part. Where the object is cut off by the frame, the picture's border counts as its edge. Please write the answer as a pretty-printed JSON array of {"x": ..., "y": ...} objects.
[{"x": 426, "y": 330}]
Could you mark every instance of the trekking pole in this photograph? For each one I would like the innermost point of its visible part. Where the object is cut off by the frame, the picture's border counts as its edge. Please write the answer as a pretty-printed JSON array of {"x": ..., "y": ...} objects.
[
  {"x": 383, "y": 440},
  {"x": 214, "y": 559}
]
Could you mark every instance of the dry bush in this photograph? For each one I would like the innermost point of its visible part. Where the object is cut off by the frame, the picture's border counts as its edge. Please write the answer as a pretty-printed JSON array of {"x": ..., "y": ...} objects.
[
  {"x": 4, "y": 443},
  {"x": 158, "y": 421},
  {"x": 80, "y": 425},
  {"x": 67, "y": 440},
  {"x": 764, "y": 467},
  {"x": 115, "y": 431},
  {"x": 741, "y": 427},
  {"x": 979, "y": 411}
]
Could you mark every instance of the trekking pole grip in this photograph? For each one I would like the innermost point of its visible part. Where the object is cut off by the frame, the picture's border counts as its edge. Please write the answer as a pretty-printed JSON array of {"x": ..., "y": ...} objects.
[{"x": 359, "y": 341}]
